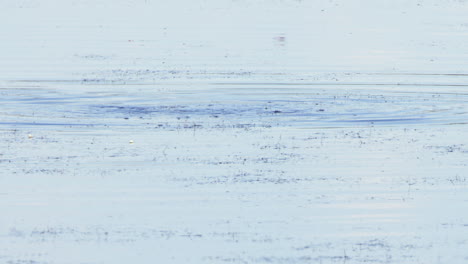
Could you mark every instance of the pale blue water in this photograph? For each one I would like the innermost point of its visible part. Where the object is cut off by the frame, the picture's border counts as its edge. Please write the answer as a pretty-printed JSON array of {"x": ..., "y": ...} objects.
[{"x": 233, "y": 132}]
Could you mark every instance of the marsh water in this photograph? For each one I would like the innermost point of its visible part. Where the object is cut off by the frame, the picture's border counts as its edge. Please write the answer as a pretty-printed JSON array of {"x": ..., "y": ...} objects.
[{"x": 233, "y": 131}]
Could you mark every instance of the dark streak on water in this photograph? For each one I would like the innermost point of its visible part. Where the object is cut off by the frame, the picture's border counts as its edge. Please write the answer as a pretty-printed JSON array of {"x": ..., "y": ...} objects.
[{"x": 280, "y": 104}]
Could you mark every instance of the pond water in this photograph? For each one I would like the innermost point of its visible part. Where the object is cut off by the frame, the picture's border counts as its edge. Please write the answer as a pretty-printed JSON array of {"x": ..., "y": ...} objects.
[{"x": 142, "y": 131}]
